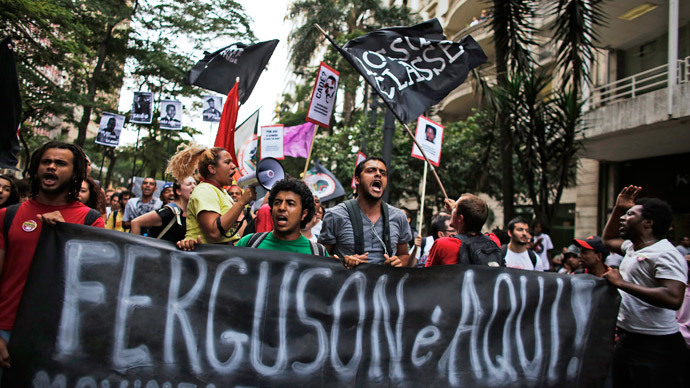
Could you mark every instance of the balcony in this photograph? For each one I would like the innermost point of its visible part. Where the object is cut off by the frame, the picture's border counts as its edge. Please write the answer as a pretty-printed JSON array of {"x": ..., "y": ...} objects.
[{"x": 628, "y": 119}]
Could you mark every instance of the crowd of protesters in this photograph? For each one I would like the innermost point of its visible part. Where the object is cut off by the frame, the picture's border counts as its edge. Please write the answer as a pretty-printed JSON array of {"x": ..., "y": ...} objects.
[{"x": 204, "y": 206}]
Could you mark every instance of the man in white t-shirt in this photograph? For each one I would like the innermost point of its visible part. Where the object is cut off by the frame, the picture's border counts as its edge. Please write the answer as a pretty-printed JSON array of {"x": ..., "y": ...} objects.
[
  {"x": 541, "y": 244},
  {"x": 517, "y": 255},
  {"x": 650, "y": 351}
]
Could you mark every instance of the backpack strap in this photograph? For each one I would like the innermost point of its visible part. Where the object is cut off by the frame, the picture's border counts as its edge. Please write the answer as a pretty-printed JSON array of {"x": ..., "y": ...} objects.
[
  {"x": 532, "y": 257},
  {"x": 463, "y": 247},
  {"x": 530, "y": 253},
  {"x": 10, "y": 212},
  {"x": 176, "y": 218},
  {"x": 256, "y": 239},
  {"x": 317, "y": 249},
  {"x": 357, "y": 228},
  {"x": 91, "y": 216},
  {"x": 386, "y": 228}
]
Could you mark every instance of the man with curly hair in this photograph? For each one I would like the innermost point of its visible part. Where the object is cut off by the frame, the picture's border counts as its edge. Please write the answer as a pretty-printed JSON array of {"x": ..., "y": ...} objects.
[
  {"x": 56, "y": 171},
  {"x": 650, "y": 351},
  {"x": 292, "y": 207}
]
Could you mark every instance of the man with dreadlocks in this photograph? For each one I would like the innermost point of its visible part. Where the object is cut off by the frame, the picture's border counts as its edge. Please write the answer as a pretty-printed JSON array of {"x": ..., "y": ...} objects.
[{"x": 56, "y": 172}]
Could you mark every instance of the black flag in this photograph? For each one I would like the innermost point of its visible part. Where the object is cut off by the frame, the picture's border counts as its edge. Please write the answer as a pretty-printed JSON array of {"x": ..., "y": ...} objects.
[
  {"x": 412, "y": 68},
  {"x": 218, "y": 70},
  {"x": 11, "y": 104}
]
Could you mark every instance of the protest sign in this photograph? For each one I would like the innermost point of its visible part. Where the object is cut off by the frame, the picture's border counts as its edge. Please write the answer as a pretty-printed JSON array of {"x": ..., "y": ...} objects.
[
  {"x": 430, "y": 136},
  {"x": 142, "y": 108},
  {"x": 109, "y": 129},
  {"x": 272, "y": 142},
  {"x": 108, "y": 309},
  {"x": 171, "y": 115},
  {"x": 323, "y": 96},
  {"x": 211, "y": 105}
]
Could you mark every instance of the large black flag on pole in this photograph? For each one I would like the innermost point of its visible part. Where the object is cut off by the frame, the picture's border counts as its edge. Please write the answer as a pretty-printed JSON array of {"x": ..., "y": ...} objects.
[
  {"x": 11, "y": 104},
  {"x": 218, "y": 70},
  {"x": 412, "y": 68}
]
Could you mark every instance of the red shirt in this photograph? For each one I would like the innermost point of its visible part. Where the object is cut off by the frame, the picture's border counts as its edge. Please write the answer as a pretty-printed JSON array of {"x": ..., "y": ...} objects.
[
  {"x": 445, "y": 250},
  {"x": 19, "y": 252},
  {"x": 264, "y": 219}
]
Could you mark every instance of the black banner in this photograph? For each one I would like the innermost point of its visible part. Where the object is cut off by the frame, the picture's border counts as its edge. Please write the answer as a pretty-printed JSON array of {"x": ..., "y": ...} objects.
[
  {"x": 218, "y": 70},
  {"x": 412, "y": 68},
  {"x": 108, "y": 309}
]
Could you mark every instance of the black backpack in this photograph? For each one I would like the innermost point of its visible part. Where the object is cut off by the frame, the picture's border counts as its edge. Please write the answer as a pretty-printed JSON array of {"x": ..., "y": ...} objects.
[
  {"x": 479, "y": 250},
  {"x": 11, "y": 211},
  {"x": 256, "y": 239},
  {"x": 530, "y": 253}
]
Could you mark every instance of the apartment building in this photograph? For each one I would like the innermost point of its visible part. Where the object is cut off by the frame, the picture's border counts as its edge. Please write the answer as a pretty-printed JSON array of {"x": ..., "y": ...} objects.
[{"x": 637, "y": 111}]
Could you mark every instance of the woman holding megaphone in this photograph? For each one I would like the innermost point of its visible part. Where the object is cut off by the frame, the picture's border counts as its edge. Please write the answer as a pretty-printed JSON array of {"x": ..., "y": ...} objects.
[{"x": 211, "y": 213}]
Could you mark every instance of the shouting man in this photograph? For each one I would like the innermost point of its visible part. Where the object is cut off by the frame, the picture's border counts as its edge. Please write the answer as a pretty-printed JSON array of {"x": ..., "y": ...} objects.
[
  {"x": 292, "y": 207},
  {"x": 650, "y": 351},
  {"x": 56, "y": 171},
  {"x": 367, "y": 230}
]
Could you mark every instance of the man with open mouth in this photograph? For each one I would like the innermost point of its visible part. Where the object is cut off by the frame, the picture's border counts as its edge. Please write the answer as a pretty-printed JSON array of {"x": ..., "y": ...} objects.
[
  {"x": 56, "y": 171},
  {"x": 292, "y": 207},
  {"x": 365, "y": 229}
]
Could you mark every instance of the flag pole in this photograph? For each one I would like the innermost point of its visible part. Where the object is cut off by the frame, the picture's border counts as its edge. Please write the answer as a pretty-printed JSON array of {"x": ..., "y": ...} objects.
[
  {"x": 420, "y": 221},
  {"x": 311, "y": 148},
  {"x": 426, "y": 158}
]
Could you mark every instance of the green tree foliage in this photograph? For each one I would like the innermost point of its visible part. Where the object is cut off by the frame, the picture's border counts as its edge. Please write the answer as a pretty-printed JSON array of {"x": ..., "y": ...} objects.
[
  {"x": 546, "y": 128},
  {"x": 574, "y": 34},
  {"x": 71, "y": 54}
]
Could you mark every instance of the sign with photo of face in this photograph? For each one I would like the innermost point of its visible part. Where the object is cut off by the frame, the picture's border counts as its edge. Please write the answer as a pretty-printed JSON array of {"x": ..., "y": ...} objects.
[
  {"x": 109, "y": 129},
  {"x": 171, "y": 115},
  {"x": 430, "y": 136},
  {"x": 212, "y": 108},
  {"x": 142, "y": 108}
]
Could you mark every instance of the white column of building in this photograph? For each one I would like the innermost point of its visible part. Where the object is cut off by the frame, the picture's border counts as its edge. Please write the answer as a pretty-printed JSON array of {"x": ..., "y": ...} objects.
[{"x": 673, "y": 12}]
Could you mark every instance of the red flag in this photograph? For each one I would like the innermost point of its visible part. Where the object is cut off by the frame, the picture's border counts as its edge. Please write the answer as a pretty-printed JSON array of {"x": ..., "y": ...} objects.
[{"x": 228, "y": 119}]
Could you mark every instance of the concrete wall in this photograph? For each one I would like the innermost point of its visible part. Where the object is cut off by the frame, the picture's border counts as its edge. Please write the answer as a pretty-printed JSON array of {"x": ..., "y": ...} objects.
[{"x": 586, "y": 201}]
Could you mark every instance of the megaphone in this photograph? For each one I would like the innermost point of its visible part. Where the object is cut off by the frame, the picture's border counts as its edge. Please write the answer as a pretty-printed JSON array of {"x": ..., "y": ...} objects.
[{"x": 268, "y": 172}]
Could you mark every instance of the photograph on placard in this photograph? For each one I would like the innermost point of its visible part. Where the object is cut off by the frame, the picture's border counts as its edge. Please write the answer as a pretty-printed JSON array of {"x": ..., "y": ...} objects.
[
  {"x": 109, "y": 129},
  {"x": 171, "y": 114},
  {"x": 142, "y": 108},
  {"x": 429, "y": 135},
  {"x": 211, "y": 112}
]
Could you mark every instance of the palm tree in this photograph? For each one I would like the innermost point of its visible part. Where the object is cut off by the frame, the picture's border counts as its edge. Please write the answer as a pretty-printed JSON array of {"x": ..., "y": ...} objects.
[
  {"x": 512, "y": 29},
  {"x": 343, "y": 20}
]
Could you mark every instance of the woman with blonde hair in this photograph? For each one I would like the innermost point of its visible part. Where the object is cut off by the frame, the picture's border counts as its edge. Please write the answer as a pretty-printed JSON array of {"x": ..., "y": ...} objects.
[{"x": 211, "y": 213}]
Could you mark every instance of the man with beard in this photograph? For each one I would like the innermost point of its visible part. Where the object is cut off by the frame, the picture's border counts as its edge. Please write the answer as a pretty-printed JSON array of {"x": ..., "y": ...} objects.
[
  {"x": 56, "y": 171},
  {"x": 292, "y": 207},
  {"x": 139, "y": 206},
  {"x": 517, "y": 255},
  {"x": 365, "y": 229},
  {"x": 650, "y": 351}
]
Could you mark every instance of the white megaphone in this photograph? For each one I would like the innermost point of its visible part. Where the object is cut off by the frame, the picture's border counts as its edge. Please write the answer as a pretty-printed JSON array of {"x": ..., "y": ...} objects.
[{"x": 268, "y": 172}]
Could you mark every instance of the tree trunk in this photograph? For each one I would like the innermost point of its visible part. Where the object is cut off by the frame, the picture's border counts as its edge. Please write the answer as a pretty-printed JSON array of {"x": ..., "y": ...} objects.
[
  {"x": 92, "y": 86},
  {"x": 112, "y": 159}
]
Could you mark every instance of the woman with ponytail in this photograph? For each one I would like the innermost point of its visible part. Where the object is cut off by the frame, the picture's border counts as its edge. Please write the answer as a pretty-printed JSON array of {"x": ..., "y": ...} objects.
[{"x": 211, "y": 213}]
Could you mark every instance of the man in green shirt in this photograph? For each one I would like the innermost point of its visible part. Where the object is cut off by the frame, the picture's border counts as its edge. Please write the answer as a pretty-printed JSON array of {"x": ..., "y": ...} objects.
[{"x": 292, "y": 206}]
